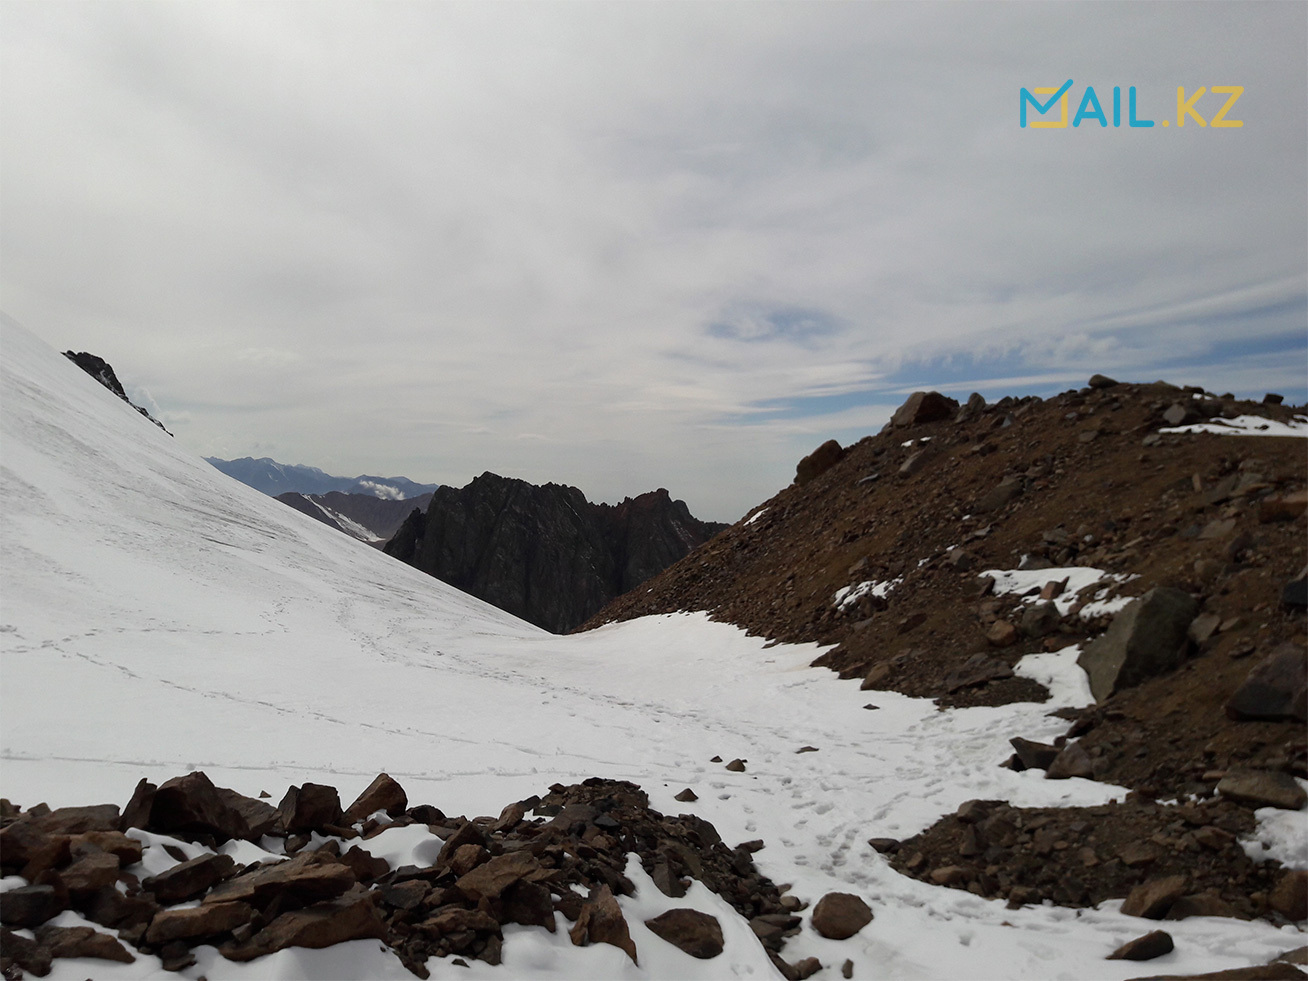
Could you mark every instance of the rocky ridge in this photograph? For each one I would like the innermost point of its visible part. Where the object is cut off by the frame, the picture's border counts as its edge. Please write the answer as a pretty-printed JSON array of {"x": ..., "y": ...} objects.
[
  {"x": 545, "y": 553},
  {"x": 1189, "y": 620},
  {"x": 103, "y": 372}
]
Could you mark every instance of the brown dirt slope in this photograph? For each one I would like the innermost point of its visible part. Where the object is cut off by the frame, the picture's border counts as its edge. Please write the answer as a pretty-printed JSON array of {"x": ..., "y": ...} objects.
[{"x": 1081, "y": 479}]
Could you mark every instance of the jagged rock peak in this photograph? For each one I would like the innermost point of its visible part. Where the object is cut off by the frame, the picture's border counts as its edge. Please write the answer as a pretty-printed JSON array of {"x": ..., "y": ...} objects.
[
  {"x": 543, "y": 552},
  {"x": 103, "y": 372}
]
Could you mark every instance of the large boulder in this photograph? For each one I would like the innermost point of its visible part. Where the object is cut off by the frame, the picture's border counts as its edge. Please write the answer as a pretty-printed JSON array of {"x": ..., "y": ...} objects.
[
  {"x": 818, "y": 462},
  {"x": 310, "y": 807},
  {"x": 1146, "y": 639},
  {"x": 923, "y": 407},
  {"x": 383, "y": 794},
  {"x": 1276, "y": 689},
  {"x": 840, "y": 915},
  {"x": 698, "y": 934},
  {"x": 1263, "y": 788},
  {"x": 192, "y": 805}
]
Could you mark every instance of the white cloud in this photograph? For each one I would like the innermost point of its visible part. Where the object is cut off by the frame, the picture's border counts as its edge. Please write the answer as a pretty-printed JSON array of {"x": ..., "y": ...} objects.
[{"x": 567, "y": 241}]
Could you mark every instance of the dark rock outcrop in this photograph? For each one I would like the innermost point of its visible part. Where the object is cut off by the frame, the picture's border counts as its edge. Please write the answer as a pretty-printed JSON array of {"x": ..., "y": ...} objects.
[
  {"x": 545, "y": 553},
  {"x": 100, "y": 369}
]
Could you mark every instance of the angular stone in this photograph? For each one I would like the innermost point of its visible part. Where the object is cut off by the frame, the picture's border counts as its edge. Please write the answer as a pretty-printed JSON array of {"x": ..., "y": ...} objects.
[
  {"x": 78, "y": 820},
  {"x": 686, "y": 796},
  {"x": 1276, "y": 688},
  {"x": 1034, "y": 756},
  {"x": 351, "y": 917},
  {"x": 260, "y": 817},
  {"x": 979, "y": 669},
  {"x": 1153, "y": 898},
  {"x": 509, "y": 818},
  {"x": 1040, "y": 619},
  {"x": 1001, "y": 633},
  {"x": 1180, "y": 414},
  {"x": 25, "y": 849},
  {"x": 468, "y": 834},
  {"x": 1009, "y": 489},
  {"x": 923, "y": 407},
  {"x": 365, "y": 865},
  {"x": 309, "y": 807},
  {"x": 29, "y": 906},
  {"x": 456, "y": 919},
  {"x": 82, "y": 941},
  {"x": 197, "y": 921},
  {"x": 601, "y": 921},
  {"x": 24, "y": 952},
  {"x": 1263, "y": 788},
  {"x": 1145, "y": 639},
  {"x": 408, "y": 894},
  {"x": 527, "y": 903},
  {"x": 1203, "y": 627},
  {"x": 1146, "y": 948},
  {"x": 1053, "y": 589},
  {"x": 137, "y": 812},
  {"x": 736, "y": 766},
  {"x": 840, "y": 915},
  {"x": 1072, "y": 761},
  {"x": 1282, "y": 507},
  {"x": 1289, "y": 896},
  {"x": 698, "y": 934},
  {"x": 306, "y": 878},
  {"x": 818, "y": 462},
  {"x": 192, "y": 805},
  {"x": 109, "y": 907},
  {"x": 383, "y": 794},
  {"x": 1200, "y": 904},
  {"x": 127, "y": 850},
  {"x": 1101, "y": 381},
  {"x": 488, "y": 880},
  {"x": 90, "y": 872},
  {"x": 190, "y": 879}
]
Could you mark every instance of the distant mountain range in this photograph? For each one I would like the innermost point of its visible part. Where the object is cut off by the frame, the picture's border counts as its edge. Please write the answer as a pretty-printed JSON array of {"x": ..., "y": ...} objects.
[
  {"x": 273, "y": 478},
  {"x": 370, "y": 519}
]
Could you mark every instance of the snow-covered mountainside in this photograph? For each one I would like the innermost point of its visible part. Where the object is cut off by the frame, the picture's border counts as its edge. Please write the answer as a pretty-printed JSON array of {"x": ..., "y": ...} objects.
[{"x": 157, "y": 617}]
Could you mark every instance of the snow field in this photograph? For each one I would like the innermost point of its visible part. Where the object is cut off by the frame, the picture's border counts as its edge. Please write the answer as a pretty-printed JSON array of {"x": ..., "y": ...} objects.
[{"x": 157, "y": 617}]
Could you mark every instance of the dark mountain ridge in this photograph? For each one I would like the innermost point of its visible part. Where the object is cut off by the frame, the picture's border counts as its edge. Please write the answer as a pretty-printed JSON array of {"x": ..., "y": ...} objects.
[{"x": 545, "y": 553}]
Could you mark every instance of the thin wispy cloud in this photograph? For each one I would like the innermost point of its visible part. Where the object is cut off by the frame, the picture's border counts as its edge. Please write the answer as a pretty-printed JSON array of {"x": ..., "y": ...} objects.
[{"x": 637, "y": 245}]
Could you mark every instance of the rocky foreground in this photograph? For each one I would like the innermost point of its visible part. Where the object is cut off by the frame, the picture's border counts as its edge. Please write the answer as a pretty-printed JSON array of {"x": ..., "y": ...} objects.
[{"x": 568, "y": 857}]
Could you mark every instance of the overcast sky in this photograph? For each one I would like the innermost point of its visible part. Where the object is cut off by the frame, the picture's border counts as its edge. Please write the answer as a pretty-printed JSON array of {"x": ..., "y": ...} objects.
[{"x": 625, "y": 246}]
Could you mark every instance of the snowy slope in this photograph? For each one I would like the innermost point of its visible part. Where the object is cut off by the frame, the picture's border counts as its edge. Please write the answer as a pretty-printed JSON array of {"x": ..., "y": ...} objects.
[{"x": 205, "y": 625}]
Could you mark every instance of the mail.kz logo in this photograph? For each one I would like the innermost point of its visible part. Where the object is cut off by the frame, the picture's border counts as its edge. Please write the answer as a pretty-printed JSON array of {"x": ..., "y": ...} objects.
[{"x": 1092, "y": 109}]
